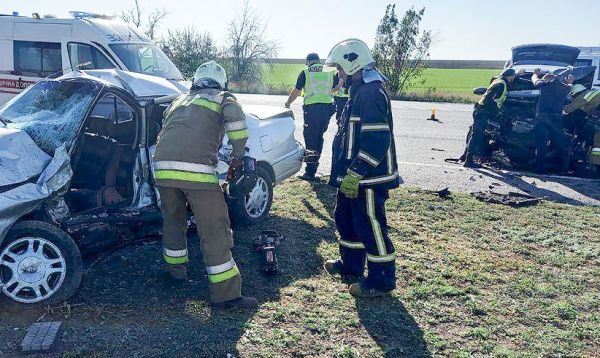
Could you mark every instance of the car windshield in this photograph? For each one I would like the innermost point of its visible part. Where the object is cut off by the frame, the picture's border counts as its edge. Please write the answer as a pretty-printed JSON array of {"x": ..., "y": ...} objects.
[
  {"x": 51, "y": 112},
  {"x": 147, "y": 59}
]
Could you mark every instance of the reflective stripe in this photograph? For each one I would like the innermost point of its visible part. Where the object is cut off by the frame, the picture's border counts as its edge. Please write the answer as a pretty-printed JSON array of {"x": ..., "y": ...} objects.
[
  {"x": 595, "y": 151},
  {"x": 236, "y": 135},
  {"x": 591, "y": 95},
  {"x": 175, "y": 260},
  {"x": 176, "y": 253},
  {"x": 350, "y": 139},
  {"x": 213, "y": 270},
  {"x": 383, "y": 258},
  {"x": 367, "y": 158},
  {"x": 374, "y": 223},
  {"x": 220, "y": 277},
  {"x": 374, "y": 127},
  {"x": 237, "y": 125},
  {"x": 351, "y": 245},
  {"x": 389, "y": 159},
  {"x": 375, "y": 180},
  {"x": 215, "y": 107},
  {"x": 186, "y": 167},
  {"x": 354, "y": 119},
  {"x": 210, "y": 97},
  {"x": 186, "y": 176}
]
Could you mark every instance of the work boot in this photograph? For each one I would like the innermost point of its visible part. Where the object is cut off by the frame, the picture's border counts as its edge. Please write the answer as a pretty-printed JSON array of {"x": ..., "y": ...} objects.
[
  {"x": 334, "y": 268},
  {"x": 176, "y": 273},
  {"x": 309, "y": 177},
  {"x": 240, "y": 302},
  {"x": 364, "y": 289}
]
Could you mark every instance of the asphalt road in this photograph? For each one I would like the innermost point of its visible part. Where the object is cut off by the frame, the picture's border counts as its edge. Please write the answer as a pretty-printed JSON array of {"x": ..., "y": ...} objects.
[{"x": 423, "y": 145}]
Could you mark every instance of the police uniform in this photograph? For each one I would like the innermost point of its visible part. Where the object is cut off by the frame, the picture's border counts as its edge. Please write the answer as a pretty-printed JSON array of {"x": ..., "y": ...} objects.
[
  {"x": 184, "y": 169},
  {"x": 341, "y": 98},
  {"x": 488, "y": 107},
  {"x": 318, "y": 108},
  {"x": 364, "y": 144}
]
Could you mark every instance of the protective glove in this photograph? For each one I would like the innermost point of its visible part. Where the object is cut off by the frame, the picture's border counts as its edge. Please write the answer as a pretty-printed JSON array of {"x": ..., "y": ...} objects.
[
  {"x": 234, "y": 166},
  {"x": 350, "y": 184}
]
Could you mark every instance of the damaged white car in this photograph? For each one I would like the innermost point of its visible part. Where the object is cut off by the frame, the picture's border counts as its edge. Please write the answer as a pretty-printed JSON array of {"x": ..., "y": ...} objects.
[{"x": 76, "y": 178}]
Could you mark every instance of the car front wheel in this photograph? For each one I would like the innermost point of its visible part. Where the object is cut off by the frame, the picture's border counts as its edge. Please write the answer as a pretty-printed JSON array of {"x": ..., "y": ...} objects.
[{"x": 39, "y": 265}]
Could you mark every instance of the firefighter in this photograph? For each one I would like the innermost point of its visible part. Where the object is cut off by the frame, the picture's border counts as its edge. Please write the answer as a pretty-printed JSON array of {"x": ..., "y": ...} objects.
[
  {"x": 184, "y": 169},
  {"x": 316, "y": 85},
  {"x": 588, "y": 100},
  {"x": 548, "y": 121},
  {"x": 364, "y": 169},
  {"x": 488, "y": 107}
]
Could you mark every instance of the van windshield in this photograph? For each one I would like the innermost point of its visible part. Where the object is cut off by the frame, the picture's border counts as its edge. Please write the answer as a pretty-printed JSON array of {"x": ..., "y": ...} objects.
[
  {"x": 51, "y": 112},
  {"x": 147, "y": 59}
]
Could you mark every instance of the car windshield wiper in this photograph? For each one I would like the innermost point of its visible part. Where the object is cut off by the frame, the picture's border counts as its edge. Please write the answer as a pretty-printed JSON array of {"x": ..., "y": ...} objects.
[{"x": 5, "y": 120}]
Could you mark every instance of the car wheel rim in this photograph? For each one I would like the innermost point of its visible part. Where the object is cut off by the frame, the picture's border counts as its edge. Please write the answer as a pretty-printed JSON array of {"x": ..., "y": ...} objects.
[
  {"x": 32, "y": 270},
  {"x": 257, "y": 200}
]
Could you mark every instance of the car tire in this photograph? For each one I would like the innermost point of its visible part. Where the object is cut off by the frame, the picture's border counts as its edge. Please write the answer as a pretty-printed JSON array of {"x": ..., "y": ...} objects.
[
  {"x": 244, "y": 213},
  {"x": 54, "y": 261}
]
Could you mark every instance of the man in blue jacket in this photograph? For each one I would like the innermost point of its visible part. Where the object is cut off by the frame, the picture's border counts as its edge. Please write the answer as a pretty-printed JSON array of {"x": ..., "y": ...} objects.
[{"x": 364, "y": 169}]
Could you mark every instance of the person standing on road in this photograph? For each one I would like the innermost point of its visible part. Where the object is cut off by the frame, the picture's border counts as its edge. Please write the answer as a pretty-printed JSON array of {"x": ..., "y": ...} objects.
[
  {"x": 184, "y": 169},
  {"x": 548, "y": 122},
  {"x": 364, "y": 168},
  {"x": 341, "y": 98},
  {"x": 487, "y": 108},
  {"x": 317, "y": 85}
]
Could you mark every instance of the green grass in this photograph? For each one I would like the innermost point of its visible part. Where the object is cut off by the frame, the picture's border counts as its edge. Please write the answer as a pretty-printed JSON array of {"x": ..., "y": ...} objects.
[
  {"x": 442, "y": 81},
  {"x": 474, "y": 279}
]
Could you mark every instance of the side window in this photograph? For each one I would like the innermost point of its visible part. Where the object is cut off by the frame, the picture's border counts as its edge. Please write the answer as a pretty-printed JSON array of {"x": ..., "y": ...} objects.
[
  {"x": 113, "y": 118},
  {"x": 114, "y": 109},
  {"x": 37, "y": 58},
  {"x": 87, "y": 57}
]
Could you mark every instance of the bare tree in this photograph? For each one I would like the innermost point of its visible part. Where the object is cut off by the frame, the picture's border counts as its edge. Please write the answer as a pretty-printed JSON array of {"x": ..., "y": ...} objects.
[
  {"x": 135, "y": 16},
  {"x": 247, "y": 46},
  {"x": 401, "y": 49},
  {"x": 188, "y": 49}
]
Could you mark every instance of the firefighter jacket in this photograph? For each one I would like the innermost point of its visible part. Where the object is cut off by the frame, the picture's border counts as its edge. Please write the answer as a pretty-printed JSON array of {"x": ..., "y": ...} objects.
[
  {"x": 364, "y": 143},
  {"x": 187, "y": 149}
]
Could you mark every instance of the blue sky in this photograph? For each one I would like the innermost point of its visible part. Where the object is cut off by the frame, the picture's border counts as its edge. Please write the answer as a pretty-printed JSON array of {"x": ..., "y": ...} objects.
[{"x": 467, "y": 29}]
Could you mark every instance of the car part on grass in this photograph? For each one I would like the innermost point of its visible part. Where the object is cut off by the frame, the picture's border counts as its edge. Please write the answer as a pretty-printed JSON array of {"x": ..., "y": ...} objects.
[
  {"x": 516, "y": 200},
  {"x": 266, "y": 244},
  {"x": 442, "y": 193}
]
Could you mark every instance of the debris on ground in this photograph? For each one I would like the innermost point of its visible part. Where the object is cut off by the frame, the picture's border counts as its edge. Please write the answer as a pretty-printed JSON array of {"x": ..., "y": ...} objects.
[
  {"x": 438, "y": 150},
  {"x": 40, "y": 337},
  {"x": 442, "y": 193},
  {"x": 516, "y": 200}
]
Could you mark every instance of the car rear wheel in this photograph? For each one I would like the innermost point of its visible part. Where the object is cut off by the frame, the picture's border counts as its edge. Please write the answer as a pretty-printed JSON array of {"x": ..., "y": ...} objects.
[
  {"x": 39, "y": 265},
  {"x": 255, "y": 206}
]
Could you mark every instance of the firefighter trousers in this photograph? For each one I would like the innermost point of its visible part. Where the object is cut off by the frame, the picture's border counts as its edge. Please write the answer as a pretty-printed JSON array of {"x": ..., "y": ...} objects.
[
  {"x": 214, "y": 230},
  {"x": 362, "y": 225},
  {"x": 316, "y": 121}
]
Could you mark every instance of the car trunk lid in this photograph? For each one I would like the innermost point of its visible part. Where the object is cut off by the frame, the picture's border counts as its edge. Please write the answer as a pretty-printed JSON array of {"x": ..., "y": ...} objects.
[{"x": 545, "y": 54}]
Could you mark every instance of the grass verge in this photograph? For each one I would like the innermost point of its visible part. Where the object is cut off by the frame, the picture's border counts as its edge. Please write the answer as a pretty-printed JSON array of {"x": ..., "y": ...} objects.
[{"x": 474, "y": 279}]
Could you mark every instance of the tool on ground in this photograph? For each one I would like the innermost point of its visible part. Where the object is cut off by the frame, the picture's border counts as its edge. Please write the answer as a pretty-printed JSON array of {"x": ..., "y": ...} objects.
[{"x": 265, "y": 244}]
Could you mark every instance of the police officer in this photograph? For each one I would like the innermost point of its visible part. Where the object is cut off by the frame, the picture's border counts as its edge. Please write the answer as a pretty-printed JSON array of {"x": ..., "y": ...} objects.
[
  {"x": 364, "y": 169},
  {"x": 487, "y": 108},
  {"x": 548, "y": 121},
  {"x": 316, "y": 85},
  {"x": 184, "y": 169}
]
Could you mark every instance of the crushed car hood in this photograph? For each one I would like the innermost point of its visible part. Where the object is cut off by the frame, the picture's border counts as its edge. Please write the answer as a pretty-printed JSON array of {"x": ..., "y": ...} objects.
[{"x": 20, "y": 158}]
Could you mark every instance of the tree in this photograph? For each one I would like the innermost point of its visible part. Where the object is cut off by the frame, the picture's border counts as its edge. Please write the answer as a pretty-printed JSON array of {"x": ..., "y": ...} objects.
[
  {"x": 188, "y": 49},
  {"x": 401, "y": 49},
  {"x": 247, "y": 47},
  {"x": 135, "y": 16}
]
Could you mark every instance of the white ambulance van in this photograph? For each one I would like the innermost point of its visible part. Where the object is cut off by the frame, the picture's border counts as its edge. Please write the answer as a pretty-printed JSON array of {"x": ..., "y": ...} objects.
[
  {"x": 590, "y": 56},
  {"x": 33, "y": 48}
]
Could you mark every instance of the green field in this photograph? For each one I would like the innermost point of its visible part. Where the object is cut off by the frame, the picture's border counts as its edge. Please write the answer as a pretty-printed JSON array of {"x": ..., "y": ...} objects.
[{"x": 446, "y": 81}]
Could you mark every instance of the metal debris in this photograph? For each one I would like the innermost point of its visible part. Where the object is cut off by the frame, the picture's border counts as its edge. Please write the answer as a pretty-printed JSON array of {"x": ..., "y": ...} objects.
[{"x": 513, "y": 199}]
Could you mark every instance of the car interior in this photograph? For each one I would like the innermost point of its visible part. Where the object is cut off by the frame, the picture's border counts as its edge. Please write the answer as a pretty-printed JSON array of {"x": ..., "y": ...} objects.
[{"x": 104, "y": 158}]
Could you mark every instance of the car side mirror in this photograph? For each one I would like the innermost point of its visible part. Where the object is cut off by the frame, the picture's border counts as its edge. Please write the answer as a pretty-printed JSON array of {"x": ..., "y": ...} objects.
[{"x": 480, "y": 91}]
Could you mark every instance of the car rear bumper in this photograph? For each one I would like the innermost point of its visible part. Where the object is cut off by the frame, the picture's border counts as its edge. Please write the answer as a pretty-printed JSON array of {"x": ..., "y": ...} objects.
[{"x": 289, "y": 164}]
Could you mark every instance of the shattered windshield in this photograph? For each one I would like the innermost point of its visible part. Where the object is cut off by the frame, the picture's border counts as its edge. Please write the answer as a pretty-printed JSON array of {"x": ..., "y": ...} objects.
[
  {"x": 51, "y": 112},
  {"x": 147, "y": 59}
]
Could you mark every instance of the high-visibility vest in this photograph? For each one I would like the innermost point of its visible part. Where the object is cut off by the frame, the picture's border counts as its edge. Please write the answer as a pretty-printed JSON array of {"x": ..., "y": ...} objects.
[
  {"x": 500, "y": 100},
  {"x": 317, "y": 88},
  {"x": 591, "y": 95},
  {"x": 342, "y": 92}
]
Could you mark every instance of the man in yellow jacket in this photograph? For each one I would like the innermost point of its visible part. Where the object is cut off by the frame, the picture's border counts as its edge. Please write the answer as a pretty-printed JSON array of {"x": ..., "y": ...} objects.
[{"x": 184, "y": 169}]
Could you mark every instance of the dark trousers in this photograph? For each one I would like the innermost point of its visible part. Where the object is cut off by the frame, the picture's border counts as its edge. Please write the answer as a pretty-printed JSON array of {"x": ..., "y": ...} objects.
[
  {"x": 477, "y": 141},
  {"x": 340, "y": 103},
  {"x": 316, "y": 121},
  {"x": 549, "y": 127},
  {"x": 362, "y": 225}
]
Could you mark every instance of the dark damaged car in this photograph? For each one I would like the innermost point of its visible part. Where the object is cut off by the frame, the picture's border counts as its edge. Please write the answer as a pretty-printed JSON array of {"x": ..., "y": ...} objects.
[
  {"x": 511, "y": 132},
  {"x": 76, "y": 175}
]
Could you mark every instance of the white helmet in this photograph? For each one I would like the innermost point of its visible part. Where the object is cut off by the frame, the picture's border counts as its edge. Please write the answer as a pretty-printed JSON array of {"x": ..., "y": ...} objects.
[
  {"x": 577, "y": 89},
  {"x": 211, "y": 70},
  {"x": 351, "y": 54}
]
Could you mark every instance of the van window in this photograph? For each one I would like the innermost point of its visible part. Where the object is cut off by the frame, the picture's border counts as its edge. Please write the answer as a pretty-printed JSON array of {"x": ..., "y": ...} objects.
[
  {"x": 87, "y": 57},
  {"x": 37, "y": 58}
]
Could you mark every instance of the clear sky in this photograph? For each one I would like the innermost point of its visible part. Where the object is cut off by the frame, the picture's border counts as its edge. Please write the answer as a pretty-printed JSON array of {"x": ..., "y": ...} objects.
[{"x": 467, "y": 29}]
